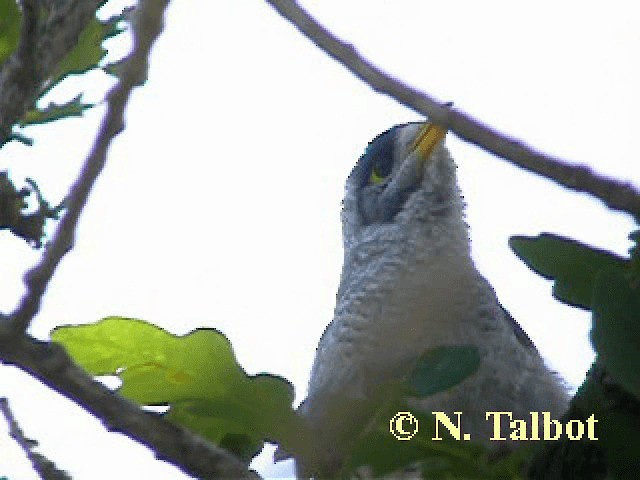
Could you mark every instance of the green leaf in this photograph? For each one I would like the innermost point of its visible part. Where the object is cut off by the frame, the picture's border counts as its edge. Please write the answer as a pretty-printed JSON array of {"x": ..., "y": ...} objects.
[
  {"x": 10, "y": 23},
  {"x": 72, "y": 108},
  {"x": 616, "y": 327},
  {"x": 88, "y": 52},
  {"x": 197, "y": 375},
  {"x": 85, "y": 56},
  {"x": 441, "y": 368},
  {"x": 572, "y": 265}
]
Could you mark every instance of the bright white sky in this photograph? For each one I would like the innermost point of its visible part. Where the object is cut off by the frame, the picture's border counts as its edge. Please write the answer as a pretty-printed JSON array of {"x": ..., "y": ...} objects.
[{"x": 219, "y": 205}]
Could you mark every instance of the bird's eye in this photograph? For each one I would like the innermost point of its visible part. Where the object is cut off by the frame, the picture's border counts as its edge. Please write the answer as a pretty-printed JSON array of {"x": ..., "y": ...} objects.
[
  {"x": 380, "y": 172},
  {"x": 376, "y": 177},
  {"x": 377, "y": 161}
]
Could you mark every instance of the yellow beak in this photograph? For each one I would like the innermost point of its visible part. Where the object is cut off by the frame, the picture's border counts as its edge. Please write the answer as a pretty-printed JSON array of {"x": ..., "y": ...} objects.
[{"x": 428, "y": 138}]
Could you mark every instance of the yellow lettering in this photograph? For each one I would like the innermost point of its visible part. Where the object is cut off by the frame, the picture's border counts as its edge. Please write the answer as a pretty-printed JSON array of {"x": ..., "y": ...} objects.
[
  {"x": 546, "y": 427},
  {"x": 591, "y": 427},
  {"x": 454, "y": 430},
  {"x": 535, "y": 426},
  {"x": 580, "y": 431},
  {"x": 519, "y": 430},
  {"x": 496, "y": 424}
]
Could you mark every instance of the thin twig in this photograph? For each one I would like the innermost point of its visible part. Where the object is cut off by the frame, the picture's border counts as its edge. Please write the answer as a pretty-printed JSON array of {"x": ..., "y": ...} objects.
[
  {"x": 45, "y": 468},
  {"x": 616, "y": 195},
  {"x": 49, "y": 363},
  {"x": 39, "y": 51}
]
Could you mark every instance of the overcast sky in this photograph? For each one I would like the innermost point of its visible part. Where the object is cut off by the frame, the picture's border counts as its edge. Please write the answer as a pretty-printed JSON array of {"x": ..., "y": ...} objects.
[{"x": 219, "y": 205}]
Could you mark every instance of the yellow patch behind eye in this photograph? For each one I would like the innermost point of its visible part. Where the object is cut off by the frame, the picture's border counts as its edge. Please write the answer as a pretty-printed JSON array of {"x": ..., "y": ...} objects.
[{"x": 427, "y": 139}]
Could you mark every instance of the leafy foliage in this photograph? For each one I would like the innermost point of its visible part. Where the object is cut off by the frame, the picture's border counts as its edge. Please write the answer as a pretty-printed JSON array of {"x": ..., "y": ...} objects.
[
  {"x": 73, "y": 108},
  {"x": 89, "y": 51},
  {"x": 609, "y": 286},
  {"x": 616, "y": 327},
  {"x": 618, "y": 414},
  {"x": 572, "y": 265},
  {"x": 14, "y": 215},
  {"x": 614, "y": 454},
  {"x": 9, "y": 28},
  {"x": 196, "y": 375},
  {"x": 86, "y": 56}
]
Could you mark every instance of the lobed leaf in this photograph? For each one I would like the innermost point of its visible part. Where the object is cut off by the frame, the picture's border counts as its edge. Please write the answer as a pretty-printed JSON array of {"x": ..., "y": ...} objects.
[{"x": 196, "y": 374}]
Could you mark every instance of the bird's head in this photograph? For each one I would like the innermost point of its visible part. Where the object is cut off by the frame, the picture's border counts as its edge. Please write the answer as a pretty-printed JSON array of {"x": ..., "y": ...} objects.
[{"x": 405, "y": 176}]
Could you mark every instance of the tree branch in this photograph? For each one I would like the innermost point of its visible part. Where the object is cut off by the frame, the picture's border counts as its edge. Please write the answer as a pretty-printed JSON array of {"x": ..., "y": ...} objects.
[
  {"x": 28, "y": 34},
  {"x": 45, "y": 468},
  {"x": 49, "y": 363},
  {"x": 616, "y": 195},
  {"x": 40, "y": 49}
]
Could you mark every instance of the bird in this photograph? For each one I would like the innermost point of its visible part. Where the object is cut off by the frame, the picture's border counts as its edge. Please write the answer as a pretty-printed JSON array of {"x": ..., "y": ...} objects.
[{"x": 409, "y": 284}]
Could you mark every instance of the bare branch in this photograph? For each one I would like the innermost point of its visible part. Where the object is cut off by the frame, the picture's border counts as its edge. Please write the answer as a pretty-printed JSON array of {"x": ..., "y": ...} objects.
[
  {"x": 40, "y": 49},
  {"x": 616, "y": 195},
  {"x": 45, "y": 468},
  {"x": 49, "y": 363}
]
